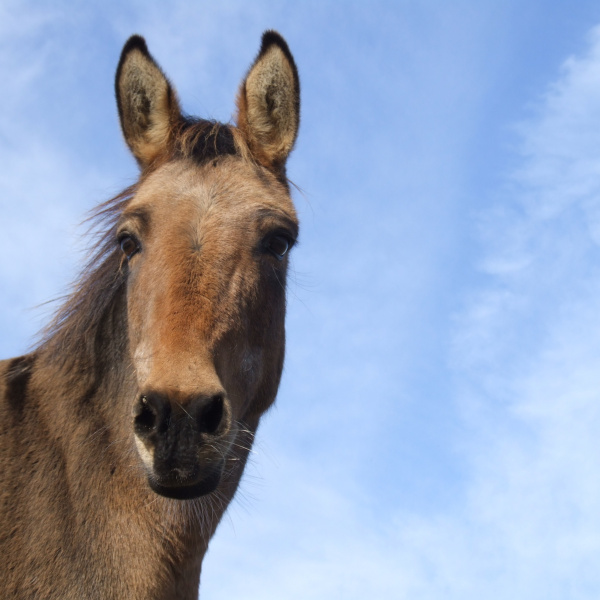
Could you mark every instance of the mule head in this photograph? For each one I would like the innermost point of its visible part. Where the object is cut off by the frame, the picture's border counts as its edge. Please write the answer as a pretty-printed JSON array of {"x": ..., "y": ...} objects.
[{"x": 204, "y": 242}]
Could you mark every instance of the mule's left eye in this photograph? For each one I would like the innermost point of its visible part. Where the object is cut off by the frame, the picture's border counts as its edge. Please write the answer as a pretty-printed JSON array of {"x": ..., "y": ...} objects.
[
  {"x": 278, "y": 245},
  {"x": 129, "y": 245}
]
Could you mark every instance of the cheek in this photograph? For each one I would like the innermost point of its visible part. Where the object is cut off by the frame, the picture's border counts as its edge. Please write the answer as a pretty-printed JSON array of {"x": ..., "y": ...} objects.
[
  {"x": 240, "y": 370},
  {"x": 251, "y": 367}
]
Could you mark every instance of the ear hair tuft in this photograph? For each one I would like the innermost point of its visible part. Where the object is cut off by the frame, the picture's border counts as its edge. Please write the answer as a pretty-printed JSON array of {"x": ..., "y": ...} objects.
[
  {"x": 148, "y": 107},
  {"x": 269, "y": 103}
]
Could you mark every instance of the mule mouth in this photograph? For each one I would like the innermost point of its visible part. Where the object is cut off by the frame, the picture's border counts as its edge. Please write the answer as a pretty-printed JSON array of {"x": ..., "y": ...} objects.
[{"x": 183, "y": 490}]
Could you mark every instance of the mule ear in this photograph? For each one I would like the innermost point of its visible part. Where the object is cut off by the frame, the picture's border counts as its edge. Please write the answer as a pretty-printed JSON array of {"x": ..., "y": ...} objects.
[
  {"x": 269, "y": 103},
  {"x": 148, "y": 107}
]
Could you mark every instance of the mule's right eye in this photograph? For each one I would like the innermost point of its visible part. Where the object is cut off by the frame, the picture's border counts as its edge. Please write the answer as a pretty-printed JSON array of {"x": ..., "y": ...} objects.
[{"x": 129, "y": 245}]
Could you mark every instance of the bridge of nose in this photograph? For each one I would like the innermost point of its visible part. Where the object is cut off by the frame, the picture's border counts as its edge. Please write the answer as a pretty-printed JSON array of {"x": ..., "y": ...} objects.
[{"x": 181, "y": 377}]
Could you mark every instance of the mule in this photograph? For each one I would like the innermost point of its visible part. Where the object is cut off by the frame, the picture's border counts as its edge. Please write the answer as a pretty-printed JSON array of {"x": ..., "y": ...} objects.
[{"x": 124, "y": 433}]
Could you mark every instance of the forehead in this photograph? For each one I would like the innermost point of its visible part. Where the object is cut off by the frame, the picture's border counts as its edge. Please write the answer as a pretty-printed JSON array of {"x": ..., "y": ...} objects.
[{"x": 225, "y": 190}]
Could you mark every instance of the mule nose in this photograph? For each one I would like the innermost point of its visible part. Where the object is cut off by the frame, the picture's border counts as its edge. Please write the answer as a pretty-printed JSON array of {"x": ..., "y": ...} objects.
[{"x": 154, "y": 414}]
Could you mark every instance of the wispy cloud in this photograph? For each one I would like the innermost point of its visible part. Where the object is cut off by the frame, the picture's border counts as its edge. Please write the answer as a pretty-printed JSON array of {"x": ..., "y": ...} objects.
[{"x": 527, "y": 354}]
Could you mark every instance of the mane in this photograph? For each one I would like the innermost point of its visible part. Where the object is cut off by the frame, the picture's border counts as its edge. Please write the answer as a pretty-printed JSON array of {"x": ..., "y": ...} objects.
[
  {"x": 73, "y": 331},
  {"x": 76, "y": 330}
]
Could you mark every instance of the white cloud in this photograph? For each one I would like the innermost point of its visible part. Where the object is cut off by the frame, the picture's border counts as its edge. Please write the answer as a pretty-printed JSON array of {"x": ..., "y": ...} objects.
[{"x": 528, "y": 350}]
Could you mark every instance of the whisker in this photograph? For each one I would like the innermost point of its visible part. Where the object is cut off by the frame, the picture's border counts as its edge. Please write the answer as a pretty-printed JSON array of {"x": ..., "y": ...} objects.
[
  {"x": 183, "y": 409},
  {"x": 93, "y": 435}
]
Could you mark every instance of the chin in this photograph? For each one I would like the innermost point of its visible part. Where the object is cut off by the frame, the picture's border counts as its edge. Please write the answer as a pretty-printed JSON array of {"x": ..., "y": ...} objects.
[{"x": 184, "y": 490}]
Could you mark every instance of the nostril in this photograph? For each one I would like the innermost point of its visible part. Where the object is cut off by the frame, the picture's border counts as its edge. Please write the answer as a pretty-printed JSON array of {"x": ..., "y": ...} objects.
[
  {"x": 145, "y": 420},
  {"x": 150, "y": 415},
  {"x": 211, "y": 415}
]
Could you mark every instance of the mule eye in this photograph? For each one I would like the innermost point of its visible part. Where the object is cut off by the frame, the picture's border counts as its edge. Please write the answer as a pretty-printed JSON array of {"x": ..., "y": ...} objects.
[
  {"x": 129, "y": 245},
  {"x": 278, "y": 245}
]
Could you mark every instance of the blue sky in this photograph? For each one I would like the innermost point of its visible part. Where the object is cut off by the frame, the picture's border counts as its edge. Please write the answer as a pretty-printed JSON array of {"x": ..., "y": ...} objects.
[{"x": 435, "y": 434}]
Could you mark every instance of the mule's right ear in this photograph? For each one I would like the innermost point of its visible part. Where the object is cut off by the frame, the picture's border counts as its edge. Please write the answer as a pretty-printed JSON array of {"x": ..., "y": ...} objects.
[{"x": 148, "y": 107}]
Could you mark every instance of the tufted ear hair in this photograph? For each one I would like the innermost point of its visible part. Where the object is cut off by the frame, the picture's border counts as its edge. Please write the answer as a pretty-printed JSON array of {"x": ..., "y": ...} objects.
[
  {"x": 148, "y": 106},
  {"x": 269, "y": 103}
]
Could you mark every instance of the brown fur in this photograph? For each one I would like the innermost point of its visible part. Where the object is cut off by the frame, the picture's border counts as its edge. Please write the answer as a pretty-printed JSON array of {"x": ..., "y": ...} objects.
[{"x": 192, "y": 319}]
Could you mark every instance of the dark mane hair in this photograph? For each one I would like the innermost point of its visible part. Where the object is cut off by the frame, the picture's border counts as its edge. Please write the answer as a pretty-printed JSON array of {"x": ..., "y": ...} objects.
[
  {"x": 73, "y": 331},
  {"x": 204, "y": 140}
]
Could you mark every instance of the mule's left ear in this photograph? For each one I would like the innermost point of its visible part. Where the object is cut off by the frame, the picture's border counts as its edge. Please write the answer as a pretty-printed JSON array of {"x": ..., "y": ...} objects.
[
  {"x": 269, "y": 103},
  {"x": 147, "y": 103}
]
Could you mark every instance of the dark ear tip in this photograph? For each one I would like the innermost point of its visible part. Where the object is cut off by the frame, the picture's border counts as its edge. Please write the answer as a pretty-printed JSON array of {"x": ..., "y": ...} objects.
[
  {"x": 135, "y": 42},
  {"x": 273, "y": 38},
  {"x": 270, "y": 37}
]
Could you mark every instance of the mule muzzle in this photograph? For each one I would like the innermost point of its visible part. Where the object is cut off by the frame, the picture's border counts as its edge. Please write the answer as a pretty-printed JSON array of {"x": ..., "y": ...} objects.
[{"x": 183, "y": 444}]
